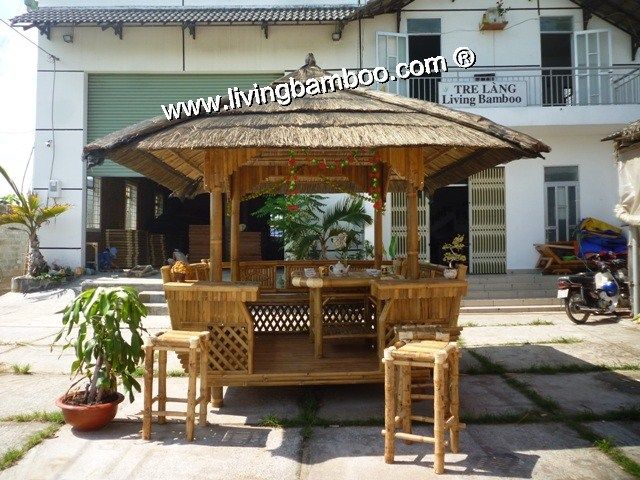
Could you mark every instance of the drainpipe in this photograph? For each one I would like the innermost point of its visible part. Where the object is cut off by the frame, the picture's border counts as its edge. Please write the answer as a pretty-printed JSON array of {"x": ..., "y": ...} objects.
[{"x": 635, "y": 269}]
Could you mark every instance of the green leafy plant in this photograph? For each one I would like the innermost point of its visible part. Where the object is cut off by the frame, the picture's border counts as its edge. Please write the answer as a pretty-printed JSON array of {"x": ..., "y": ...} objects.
[
  {"x": 392, "y": 251},
  {"x": 309, "y": 230},
  {"x": 29, "y": 211},
  {"x": 453, "y": 251},
  {"x": 19, "y": 369},
  {"x": 103, "y": 355}
]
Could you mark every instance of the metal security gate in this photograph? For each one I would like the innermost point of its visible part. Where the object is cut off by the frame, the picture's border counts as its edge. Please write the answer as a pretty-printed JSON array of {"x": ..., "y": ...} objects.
[
  {"x": 487, "y": 225},
  {"x": 398, "y": 208}
]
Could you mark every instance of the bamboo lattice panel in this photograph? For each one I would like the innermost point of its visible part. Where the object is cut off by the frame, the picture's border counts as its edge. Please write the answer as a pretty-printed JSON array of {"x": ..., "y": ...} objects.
[{"x": 280, "y": 317}]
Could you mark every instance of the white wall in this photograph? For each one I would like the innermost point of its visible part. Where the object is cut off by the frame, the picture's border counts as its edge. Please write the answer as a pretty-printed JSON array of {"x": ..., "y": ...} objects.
[
  {"x": 244, "y": 49},
  {"x": 524, "y": 184}
]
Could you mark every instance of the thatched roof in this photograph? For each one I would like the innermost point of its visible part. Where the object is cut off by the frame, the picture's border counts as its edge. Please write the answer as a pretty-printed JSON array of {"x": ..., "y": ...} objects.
[
  {"x": 455, "y": 144},
  {"x": 629, "y": 135}
]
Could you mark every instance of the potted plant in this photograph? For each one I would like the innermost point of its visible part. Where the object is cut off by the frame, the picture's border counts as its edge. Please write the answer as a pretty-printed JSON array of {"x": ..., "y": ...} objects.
[
  {"x": 179, "y": 271},
  {"x": 453, "y": 255},
  {"x": 28, "y": 211},
  {"x": 495, "y": 18},
  {"x": 94, "y": 324},
  {"x": 392, "y": 251}
]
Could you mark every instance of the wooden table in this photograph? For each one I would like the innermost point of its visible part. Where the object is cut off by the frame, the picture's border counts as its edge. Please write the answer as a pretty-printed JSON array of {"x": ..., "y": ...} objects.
[{"x": 332, "y": 282}]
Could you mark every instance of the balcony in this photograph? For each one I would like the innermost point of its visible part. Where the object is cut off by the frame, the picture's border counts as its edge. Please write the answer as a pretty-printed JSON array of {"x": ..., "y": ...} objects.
[{"x": 523, "y": 87}]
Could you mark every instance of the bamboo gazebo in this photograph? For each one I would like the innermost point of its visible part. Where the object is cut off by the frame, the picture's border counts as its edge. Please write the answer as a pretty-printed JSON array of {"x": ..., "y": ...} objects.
[{"x": 344, "y": 141}]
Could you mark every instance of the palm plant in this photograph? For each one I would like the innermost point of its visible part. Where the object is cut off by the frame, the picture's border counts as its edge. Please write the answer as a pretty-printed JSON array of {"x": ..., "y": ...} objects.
[
  {"x": 343, "y": 222},
  {"x": 29, "y": 211}
]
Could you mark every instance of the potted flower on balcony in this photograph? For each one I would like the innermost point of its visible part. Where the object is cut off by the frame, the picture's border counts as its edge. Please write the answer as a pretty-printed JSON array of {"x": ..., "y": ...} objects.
[
  {"x": 103, "y": 326},
  {"x": 495, "y": 18}
]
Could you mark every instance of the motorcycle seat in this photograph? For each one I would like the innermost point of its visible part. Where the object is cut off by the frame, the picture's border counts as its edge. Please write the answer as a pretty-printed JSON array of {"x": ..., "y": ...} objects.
[{"x": 581, "y": 278}]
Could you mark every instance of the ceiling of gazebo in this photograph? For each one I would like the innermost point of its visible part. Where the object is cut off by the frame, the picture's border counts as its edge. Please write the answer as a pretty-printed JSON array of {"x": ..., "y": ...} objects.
[{"x": 417, "y": 139}]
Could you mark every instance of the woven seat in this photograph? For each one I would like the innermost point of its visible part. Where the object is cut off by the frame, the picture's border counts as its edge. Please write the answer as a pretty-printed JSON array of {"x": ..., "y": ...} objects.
[
  {"x": 195, "y": 344},
  {"x": 400, "y": 362}
]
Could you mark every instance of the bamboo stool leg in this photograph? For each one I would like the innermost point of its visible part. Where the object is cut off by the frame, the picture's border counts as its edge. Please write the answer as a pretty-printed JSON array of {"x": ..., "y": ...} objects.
[
  {"x": 438, "y": 412},
  {"x": 404, "y": 389},
  {"x": 204, "y": 391},
  {"x": 389, "y": 411},
  {"x": 216, "y": 396},
  {"x": 191, "y": 392},
  {"x": 148, "y": 391},
  {"x": 162, "y": 385},
  {"x": 454, "y": 402}
]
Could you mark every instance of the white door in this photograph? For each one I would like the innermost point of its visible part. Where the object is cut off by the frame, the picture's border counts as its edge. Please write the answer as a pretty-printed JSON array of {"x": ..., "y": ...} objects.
[
  {"x": 592, "y": 50},
  {"x": 392, "y": 48}
]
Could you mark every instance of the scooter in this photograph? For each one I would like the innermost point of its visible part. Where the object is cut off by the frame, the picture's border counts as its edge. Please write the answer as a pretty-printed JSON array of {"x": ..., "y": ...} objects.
[{"x": 599, "y": 292}]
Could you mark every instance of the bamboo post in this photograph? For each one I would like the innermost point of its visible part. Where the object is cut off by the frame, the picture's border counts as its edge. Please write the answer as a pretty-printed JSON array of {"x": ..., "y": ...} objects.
[
  {"x": 148, "y": 391},
  {"x": 413, "y": 268},
  {"x": 191, "y": 392},
  {"x": 389, "y": 410},
  {"x": 438, "y": 412},
  {"x": 215, "y": 242},
  {"x": 162, "y": 384},
  {"x": 377, "y": 238},
  {"x": 315, "y": 296},
  {"x": 204, "y": 396},
  {"x": 454, "y": 400},
  {"x": 405, "y": 403},
  {"x": 235, "y": 227},
  {"x": 217, "y": 396}
]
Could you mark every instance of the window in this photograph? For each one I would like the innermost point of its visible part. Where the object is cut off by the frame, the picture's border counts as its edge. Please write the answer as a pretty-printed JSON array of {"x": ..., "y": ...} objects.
[
  {"x": 130, "y": 206},
  {"x": 424, "y": 25},
  {"x": 556, "y": 24},
  {"x": 158, "y": 205},
  {"x": 562, "y": 202},
  {"x": 93, "y": 203}
]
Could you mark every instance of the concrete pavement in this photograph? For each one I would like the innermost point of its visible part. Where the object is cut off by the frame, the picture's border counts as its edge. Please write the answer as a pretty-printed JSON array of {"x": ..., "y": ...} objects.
[{"x": 586, "y": 369}]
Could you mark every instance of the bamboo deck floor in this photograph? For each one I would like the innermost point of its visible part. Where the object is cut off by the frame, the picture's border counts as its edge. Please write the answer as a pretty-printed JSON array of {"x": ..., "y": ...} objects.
[{"x": 288, "y": 359}]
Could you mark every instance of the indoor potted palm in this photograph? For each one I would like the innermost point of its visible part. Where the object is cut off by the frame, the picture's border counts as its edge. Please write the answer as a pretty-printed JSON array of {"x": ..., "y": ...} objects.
[{"x": 103, "y": 325}]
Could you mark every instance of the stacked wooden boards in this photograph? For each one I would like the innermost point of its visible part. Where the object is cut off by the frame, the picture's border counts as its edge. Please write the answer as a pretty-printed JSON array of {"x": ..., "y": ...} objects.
[
  {"x": 132, "y": 246},
  {"x": 249, "y": 244},
  {"x": 157, "y": 249}
]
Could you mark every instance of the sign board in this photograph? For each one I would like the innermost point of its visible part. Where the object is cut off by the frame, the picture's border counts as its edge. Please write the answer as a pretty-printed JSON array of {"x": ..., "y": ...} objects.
[{"x": 470, "y": 94}]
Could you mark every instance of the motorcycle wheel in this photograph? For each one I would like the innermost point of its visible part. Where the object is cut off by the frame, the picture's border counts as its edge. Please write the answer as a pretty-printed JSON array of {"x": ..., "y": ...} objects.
[{"x": 570, "y": 306}]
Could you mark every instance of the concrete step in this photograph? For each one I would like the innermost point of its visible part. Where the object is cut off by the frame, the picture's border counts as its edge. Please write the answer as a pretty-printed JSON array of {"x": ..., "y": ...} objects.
[
  {"x": 157, "y": 308},
  {"x": 512, "y": 294},
  {"x": 513, "y": 309},
  {"x": 512, "y": 286},
  {"x": 502, "y": 302},
  {"x": 515, "y": 278},
  {"x": 140, "y": 284},
  {"x": 152, "y": 296}
]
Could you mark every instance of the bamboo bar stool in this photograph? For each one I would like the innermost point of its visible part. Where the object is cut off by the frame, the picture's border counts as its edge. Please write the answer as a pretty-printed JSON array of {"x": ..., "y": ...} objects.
[
  {"x": 193, "y": 343},
  {"x": 442, "y": 357}
]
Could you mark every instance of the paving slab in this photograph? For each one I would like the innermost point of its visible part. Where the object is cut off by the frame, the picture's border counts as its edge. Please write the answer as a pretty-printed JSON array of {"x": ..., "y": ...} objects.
[
  {"x": 479, "y": 395},
  {"x": 242, "y": 405},
  {"x": 15, "y": 434},
  {"x": 585, "y": 354},
  {"x": 525, "y": 318},
  {"x": 626, "y": 435},
  {"x": 540, "y": 451},
  {"x": 117, "y": 452},
  {"x": 597, "y": 392},
  {"x": 30, "y": 393},
  {"x": 496, "y": 335}
]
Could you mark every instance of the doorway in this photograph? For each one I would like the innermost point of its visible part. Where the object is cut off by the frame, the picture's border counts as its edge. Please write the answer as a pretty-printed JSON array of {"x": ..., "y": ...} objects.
[
  {"x": 556, "y": 60},
  {"x": 449, "y": 208}
]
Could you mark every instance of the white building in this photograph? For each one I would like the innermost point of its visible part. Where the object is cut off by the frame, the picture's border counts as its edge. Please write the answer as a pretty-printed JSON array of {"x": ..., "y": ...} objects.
[{"x": 572, "y": 78}]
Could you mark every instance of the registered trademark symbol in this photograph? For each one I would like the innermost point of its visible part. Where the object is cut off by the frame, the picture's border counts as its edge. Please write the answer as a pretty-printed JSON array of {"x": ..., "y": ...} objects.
[{"x": 464, "y": 57}]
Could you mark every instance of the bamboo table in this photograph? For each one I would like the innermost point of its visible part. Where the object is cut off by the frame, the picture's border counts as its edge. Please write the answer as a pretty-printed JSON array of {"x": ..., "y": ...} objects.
[{"x": 334, "y": 282}]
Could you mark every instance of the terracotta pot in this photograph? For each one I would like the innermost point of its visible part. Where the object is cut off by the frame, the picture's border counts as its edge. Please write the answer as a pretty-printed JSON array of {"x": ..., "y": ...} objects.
[{"x": 89, "y": 417}]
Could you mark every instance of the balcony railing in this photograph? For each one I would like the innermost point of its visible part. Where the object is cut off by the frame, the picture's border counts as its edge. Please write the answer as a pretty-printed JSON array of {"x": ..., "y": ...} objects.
[{"x": 500, "y": 87}]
